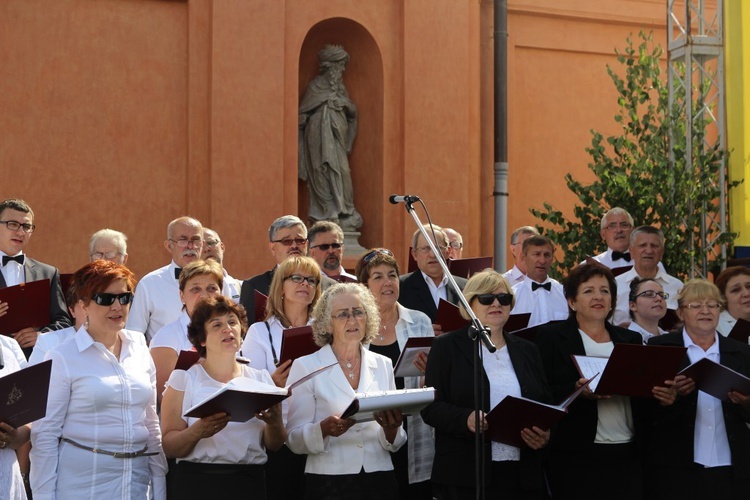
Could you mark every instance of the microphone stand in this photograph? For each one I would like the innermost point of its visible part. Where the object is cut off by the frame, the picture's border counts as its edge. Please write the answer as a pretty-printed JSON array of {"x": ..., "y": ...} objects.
[{"x": 479, "y": 334}]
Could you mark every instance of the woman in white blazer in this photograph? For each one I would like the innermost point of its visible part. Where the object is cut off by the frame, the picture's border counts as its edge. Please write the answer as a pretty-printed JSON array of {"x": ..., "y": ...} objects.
[{"x": 344, "y": 459}]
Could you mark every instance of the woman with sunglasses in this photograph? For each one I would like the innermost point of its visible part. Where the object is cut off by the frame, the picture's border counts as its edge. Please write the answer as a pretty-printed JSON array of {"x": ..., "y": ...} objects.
[
  {"x": 345, "y": 460},
  {"x": 295, "y": 288},
  {"x": 648, "y": 305},
  {"x": 100, "y": 437},
  {"x": 514, "y": 369},
  {"x": 378, "y": 271},
  {"x": 601, "y": 434},
  {"x": 700, "y": 447},
  {"x": 198, "y": 280}
]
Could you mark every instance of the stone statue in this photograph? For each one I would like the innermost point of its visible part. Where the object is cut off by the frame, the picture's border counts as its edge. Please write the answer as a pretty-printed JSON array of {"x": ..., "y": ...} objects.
[{"x": 328, "y": 125}]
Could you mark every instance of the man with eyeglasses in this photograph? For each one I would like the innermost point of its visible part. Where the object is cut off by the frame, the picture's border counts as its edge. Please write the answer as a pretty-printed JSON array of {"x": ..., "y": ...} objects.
[
  {"x": 157, "y": 296},
  {"x": 517, "y": 273},
  {"x": 213, "y": 248},
  {"x": 647, "y": 249},
  {"x": 17, "y": 221},
  {"x": 423, "y": 289},
  {"x": 287, "y": 236},
  {"x": 108, "y": 244},
  {"x": 539, "y": 294},
  {"x": 326, "y": 240},
  {"x": 455, "y": 243},
  {"x": 617, "y": 224}
]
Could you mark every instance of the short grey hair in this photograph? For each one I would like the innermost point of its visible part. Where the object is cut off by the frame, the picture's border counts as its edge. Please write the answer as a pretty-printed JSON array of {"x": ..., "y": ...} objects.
[
  {"x": 322, "y": 315},
  {"x": 438, "y": 234},
  {"x": 324, "y": 226},
  {"x": 522, "y": 230},
  {"x": 117, "y": 238},
  {"x": 283, "y": 222},
  {"x": 647, "y": 230},
  {"x": 617, "y": 211}
]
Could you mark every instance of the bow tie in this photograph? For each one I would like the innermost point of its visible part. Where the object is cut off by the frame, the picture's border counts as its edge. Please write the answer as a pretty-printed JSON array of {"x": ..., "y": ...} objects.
[
  {"x": 177, "y": 271},
  {"x": 21, "y": 259},
  {"x": 621, "y": 255},
  {"x": 547, "y": 286}
]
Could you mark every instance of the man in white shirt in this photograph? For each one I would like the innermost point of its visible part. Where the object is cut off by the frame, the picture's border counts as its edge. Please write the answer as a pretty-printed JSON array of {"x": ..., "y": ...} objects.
[
  {"x": 423, "y": 289},
  {"x": 617, "y": 224},
  {"x": 517, "y": 273},
  {"x": 213, "y": 248},
  {"x": 108, "y": 244},
  {"x": 539, "y": 294},
  {"x": 455, "y": 243},
  {"x": 326, "y": 246},
  {"x": 647, "y": 249},
  {"x": 157, "y": 297}
]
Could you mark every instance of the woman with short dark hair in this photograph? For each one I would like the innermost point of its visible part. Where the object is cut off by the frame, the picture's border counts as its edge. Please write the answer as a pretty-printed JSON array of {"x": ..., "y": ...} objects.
[{"x": 214, "y": 454}]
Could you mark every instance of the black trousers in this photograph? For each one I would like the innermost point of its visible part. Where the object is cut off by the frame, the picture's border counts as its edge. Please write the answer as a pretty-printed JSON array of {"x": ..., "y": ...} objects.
[
  {"x": 201, "y": 481},
  {"x": 363, "y": 486}
]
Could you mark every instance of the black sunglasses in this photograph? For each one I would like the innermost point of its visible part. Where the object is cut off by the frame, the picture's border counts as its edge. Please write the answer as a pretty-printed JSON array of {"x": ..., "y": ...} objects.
[
  {"x": 486, "y": 299},
  {"x": 107, "y": 299},
  {"x": 326, "y": 246}
]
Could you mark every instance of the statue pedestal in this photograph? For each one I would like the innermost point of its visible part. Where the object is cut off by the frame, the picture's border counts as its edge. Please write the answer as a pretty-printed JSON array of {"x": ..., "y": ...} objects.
[{"x": 352, "y": 248}]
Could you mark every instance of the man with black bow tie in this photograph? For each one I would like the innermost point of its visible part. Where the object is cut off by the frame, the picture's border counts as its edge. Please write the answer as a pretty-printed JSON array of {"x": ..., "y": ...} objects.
[
  {"x": 539, "y": 294},
  {"x": 617, "y": 224},
  {"x": 157, "y": 297},
  {"x": 17, "y": 220}
]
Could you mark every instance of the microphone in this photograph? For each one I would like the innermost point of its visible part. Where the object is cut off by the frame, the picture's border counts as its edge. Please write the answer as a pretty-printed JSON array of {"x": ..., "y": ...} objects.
[{"x": 395, "y": 199}]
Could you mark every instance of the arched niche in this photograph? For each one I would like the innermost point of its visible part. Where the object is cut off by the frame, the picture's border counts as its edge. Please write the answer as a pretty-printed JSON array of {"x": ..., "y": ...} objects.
[{"x": 364, "y": 82}]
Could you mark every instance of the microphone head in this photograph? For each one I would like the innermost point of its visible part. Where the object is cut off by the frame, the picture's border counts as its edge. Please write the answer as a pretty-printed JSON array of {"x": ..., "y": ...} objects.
[{"x": 393, "y": 199}]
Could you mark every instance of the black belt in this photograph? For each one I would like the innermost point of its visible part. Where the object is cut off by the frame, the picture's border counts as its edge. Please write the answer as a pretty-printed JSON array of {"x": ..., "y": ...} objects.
[{"x": 116, "y": 454}]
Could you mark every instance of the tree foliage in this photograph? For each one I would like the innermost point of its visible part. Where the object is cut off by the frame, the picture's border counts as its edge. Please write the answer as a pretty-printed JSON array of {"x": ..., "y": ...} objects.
[{"x": 633, "y": 171}]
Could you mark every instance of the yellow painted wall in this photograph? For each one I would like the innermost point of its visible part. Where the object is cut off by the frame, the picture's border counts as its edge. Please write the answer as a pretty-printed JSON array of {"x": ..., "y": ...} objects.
[{"x": 737, "y": 77}]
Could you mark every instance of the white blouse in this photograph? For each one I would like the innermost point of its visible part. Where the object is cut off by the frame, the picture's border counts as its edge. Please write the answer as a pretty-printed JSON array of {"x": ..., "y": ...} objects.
[
  {"x": 11, "y": 482},
  {"x": 174, "y": 335},
  {"x": 238, "y": 442},
  {"x": 103, "y": 402}
]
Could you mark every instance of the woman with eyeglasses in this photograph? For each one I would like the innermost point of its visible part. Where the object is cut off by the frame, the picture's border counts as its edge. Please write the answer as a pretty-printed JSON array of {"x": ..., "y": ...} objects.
[
  {"x": 515, "y": 369},
  {"x": 295, "y": 288},
  {"x": 344, "y": 459},
  {"x": 100, "y": 437},
  {"x": 734, "y": 284},
  {"x": 601, "y": 434},
  {"x": 198, "y": 280},
  {"x": 378, "y": 270},
  {"x": 700, "y": 446},
  {"x": 214, "y": 454},
  {"x": 648, "y": 305}
]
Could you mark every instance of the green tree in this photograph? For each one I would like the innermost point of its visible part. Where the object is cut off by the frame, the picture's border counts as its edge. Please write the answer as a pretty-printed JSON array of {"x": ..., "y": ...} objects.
[{"x": 633, "y": 171}]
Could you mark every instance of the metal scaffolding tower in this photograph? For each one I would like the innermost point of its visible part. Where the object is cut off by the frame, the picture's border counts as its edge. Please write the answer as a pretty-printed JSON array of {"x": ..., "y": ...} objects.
[{"x": 696, "y": 89}]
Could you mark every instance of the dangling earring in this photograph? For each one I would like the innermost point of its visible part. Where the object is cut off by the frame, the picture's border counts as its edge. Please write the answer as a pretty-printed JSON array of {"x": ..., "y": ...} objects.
[{"x": 87, "y": 321}]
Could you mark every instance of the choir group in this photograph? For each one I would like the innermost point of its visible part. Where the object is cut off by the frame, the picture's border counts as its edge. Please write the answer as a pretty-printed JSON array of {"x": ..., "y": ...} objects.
[{"x": 117, "y": 425}]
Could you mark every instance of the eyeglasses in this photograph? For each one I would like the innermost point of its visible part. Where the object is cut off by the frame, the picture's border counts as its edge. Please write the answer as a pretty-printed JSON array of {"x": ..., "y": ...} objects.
[
  {"x": 651, "y": 294},
  {"x": 299, "y": 279},
  {"x": 698, "y": 306},
  {"x": 345, "y": 315},
  {"x": 426, "y": 249},
  {"x": 107, "y": 299},
  {"x": 212, "y": 243},
  {"x": 456, "y": 245},
  {"x": 622, "y": 225},
  {"x": 104, "y": 255},
  {"x": 487, "y": 299},
  {"x": 184, "y": 243},
  {"x": 287, "y": 242},
  {"x": 378, "y": 251},
  {"x": 326, "y": 246},
  {"x": 14, "y": 225}
]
